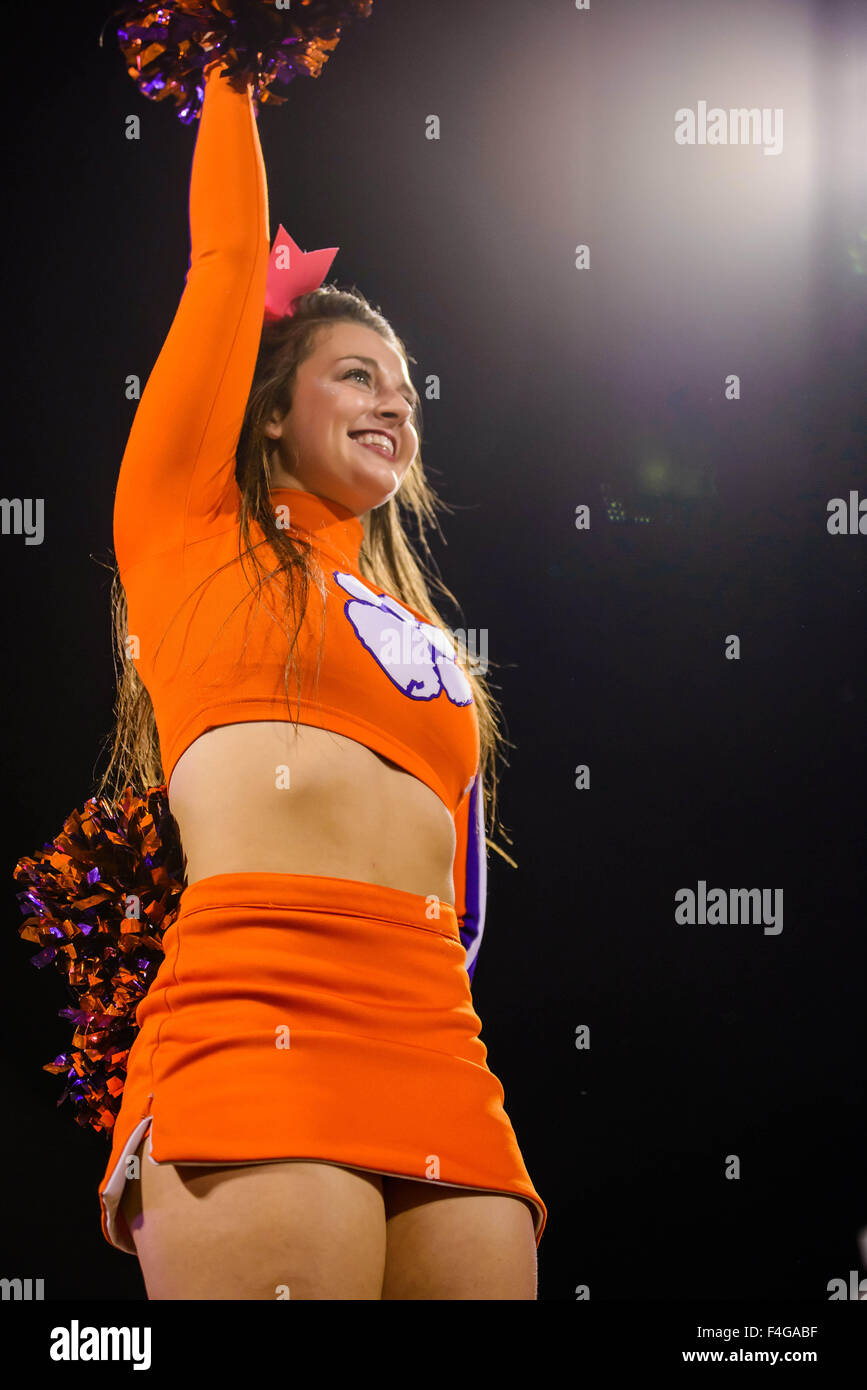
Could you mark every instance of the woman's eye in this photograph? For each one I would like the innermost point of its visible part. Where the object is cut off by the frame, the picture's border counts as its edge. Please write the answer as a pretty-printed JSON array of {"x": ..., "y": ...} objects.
[{"x": 358, "y": 371}]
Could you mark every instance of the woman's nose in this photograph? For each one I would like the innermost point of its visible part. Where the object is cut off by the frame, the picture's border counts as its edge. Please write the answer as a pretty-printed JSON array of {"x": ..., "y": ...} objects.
[{"x": 396, "y": 406}]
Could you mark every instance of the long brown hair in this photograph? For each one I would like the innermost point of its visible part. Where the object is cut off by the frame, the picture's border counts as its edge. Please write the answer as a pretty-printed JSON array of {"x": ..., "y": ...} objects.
[{"x": 387, "y": 558}]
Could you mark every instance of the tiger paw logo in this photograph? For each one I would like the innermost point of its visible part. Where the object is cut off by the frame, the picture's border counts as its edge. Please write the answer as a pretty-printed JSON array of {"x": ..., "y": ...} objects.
[{"x": 417, "y": 657}]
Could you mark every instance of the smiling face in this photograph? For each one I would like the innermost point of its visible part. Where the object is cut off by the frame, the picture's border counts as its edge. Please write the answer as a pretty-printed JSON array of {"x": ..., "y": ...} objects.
[{"x": 353, "y": 382}]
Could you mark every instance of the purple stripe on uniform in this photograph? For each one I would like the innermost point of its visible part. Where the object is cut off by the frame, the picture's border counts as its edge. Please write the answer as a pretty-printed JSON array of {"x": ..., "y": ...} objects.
[{"x": 476, "y": 878}]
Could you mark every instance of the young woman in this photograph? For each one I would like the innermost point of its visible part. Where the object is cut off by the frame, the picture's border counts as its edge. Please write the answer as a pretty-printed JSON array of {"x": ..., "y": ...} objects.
[{"x": 307, "y": 1098}]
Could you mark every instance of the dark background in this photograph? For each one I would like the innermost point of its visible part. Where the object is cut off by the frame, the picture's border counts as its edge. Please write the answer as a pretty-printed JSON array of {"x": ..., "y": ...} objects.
[{"x": 559, "y": 387}]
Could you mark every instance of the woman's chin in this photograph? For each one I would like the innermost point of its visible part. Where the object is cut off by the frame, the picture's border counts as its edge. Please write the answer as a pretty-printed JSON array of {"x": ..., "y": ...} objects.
[{"x": 371, "y": 487}]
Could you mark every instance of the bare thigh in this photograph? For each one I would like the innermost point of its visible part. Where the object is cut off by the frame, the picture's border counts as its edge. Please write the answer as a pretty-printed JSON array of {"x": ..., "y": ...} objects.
[
  {"x": 287, "y": 1229},
  {"x": 450, "y": 1243}
]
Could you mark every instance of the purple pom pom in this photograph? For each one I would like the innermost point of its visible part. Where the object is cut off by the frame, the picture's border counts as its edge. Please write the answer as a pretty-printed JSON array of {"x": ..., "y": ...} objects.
[{"x": 168, "y": 46}]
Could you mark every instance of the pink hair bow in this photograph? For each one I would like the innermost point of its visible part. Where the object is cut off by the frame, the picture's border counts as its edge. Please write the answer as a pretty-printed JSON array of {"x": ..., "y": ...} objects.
[{"x": 291, "y": 272}]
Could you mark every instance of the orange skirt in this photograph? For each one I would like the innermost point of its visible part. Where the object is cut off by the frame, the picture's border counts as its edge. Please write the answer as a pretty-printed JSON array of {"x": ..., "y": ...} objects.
[{"x": 306, "y": 1017}]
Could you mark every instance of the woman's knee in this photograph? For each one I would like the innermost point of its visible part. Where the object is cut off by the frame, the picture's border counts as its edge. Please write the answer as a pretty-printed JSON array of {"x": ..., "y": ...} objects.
[{"x": 287, "y": 1229}]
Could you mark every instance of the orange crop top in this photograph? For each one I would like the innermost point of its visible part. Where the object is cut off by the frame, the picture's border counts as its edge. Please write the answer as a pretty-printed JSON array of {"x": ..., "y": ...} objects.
[{"x": 211, "y": 651}]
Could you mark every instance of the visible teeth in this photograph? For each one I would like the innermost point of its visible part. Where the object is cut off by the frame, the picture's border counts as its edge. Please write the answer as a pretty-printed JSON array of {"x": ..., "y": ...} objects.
[{"x": 380, "y": 439}]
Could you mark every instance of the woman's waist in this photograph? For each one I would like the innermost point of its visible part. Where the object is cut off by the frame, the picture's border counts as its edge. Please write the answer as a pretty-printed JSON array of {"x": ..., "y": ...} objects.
[
  {"x": 243, "y": 944},
  {"x": 261, "y": 798}
]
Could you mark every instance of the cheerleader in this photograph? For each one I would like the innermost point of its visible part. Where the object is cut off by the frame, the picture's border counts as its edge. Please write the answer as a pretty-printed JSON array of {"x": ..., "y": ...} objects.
[{"x": 307, "y": 1110}]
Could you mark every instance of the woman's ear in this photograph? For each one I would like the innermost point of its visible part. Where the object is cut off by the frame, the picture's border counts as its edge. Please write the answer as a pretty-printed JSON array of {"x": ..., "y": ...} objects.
[{"x": 274, "y": 424}]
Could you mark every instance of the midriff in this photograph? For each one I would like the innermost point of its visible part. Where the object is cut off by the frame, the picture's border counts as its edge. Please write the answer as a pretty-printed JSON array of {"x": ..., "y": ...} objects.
[{"x": 263, "y": 797}]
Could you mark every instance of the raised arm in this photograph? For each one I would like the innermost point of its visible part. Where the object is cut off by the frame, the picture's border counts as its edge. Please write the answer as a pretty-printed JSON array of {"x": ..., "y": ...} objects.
[{"x": 177, "y": 475}]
